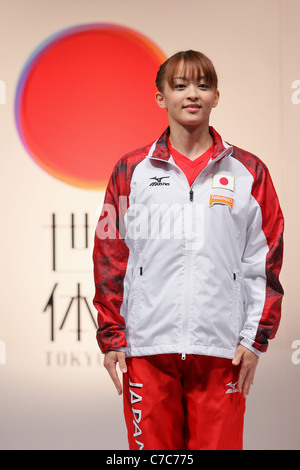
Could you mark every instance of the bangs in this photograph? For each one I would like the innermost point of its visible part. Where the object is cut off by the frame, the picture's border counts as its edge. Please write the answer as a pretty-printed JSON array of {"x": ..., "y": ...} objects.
[{"x": 188, "y": 64}]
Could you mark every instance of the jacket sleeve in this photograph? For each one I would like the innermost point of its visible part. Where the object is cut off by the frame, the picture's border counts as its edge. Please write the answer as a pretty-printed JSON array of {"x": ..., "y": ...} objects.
[
  {"x": 262, "y": 262},
  {"x": 110, "y": 258}
]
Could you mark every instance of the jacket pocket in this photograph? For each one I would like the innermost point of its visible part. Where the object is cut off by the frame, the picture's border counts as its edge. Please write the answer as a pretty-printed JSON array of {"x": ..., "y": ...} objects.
[
  {"x": 238, "y": 300},
  {"x": 135, "y": 294}
]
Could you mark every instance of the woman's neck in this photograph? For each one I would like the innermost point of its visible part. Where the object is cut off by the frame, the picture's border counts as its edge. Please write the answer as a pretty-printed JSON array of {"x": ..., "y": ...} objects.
[{"x": 190, "y": 142}]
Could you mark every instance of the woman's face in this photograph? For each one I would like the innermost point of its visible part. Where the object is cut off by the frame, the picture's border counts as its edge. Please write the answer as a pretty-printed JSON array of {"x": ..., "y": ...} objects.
[{"x": 188, "y": 101}]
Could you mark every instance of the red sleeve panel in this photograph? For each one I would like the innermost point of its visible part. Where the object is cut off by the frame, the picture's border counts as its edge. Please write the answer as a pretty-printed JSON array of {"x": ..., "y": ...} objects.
[
  {"x": 272, "y": 226},
  {"x": 111, "y": 254}
]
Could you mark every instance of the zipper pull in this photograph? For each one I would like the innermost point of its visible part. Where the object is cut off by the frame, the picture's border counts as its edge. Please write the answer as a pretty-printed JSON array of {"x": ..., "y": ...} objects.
[
  {"x": 141, "y": 270},
  {"x": 191, "y": 195},
  {"x": 183, "y": 356}
]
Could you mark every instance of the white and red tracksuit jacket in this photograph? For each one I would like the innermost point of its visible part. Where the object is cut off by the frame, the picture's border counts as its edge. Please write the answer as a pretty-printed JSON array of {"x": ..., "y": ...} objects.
[{"x": 189, "y": 270}]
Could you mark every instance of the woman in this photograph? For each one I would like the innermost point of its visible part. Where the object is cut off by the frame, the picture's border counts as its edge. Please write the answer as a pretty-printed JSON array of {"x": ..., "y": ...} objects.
[{"x": 187, "y": 257}]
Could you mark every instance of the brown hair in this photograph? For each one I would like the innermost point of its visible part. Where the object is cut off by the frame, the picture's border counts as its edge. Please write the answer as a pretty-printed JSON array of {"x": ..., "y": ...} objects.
[{"x": 194, "y": 61}]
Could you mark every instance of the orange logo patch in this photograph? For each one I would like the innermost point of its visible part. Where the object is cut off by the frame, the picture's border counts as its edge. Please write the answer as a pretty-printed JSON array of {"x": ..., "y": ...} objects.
[{"x": 218, "y": 199}]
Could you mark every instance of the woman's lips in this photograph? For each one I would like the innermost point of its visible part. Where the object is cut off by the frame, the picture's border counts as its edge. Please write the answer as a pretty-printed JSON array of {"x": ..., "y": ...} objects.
[{"x": 192, "y": 108}]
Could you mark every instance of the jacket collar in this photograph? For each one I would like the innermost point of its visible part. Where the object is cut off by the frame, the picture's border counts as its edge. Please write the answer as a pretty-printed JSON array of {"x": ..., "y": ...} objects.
[{"x": 160, "y": 150}]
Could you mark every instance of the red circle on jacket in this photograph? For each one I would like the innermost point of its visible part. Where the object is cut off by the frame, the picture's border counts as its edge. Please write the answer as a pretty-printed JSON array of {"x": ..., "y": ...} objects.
[{"x": 224, "y": 181}]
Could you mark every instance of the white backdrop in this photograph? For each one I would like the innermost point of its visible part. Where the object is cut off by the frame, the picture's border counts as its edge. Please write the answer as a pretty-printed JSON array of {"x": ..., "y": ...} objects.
[{"x": 56, "y": 394}]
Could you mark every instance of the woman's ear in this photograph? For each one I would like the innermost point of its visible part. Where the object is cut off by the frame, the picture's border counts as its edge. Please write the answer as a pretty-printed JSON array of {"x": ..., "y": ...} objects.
[
  {"x": 217, "y": 97},
  {"x": 160, "y": 100}
]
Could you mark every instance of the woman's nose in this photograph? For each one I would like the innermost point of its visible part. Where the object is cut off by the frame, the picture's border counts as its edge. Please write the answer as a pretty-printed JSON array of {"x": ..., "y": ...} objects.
[{"x": 193, "y": 92}]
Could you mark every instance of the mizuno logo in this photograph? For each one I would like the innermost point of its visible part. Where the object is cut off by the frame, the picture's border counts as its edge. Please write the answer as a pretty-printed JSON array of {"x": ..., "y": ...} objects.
[
  {"x": 158, "y": 181},
  {"x": 232, "y": 388}
]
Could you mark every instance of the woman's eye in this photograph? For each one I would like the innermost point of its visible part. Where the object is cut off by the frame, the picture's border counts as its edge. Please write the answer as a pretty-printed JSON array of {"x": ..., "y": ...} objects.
[
  {"x": 180, "y": 86},
  {"x": 203, "y": 85}
]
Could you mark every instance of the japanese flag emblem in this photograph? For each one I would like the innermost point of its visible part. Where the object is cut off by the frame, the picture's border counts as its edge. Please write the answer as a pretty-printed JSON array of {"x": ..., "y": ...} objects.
[{"x": 224, "y": 181}]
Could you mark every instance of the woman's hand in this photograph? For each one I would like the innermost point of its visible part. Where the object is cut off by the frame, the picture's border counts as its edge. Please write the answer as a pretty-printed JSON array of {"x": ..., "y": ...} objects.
[
  {"x": 110, "y": 363},
  {"x": 248, "y": 361}
]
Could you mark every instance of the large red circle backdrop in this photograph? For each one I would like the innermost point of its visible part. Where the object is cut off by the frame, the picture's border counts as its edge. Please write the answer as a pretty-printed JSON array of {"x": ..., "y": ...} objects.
[{"x": 85, "y": 98}]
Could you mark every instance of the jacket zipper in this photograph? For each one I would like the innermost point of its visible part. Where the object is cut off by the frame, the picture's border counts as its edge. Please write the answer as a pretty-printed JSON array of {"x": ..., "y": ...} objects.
[
  {"x": 187, "y": 292},
  {"x": 186, "y": 307}
]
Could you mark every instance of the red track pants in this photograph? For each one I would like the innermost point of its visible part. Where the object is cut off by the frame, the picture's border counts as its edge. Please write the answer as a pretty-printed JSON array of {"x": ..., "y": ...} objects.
[{"x": 175, "y": 404}]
